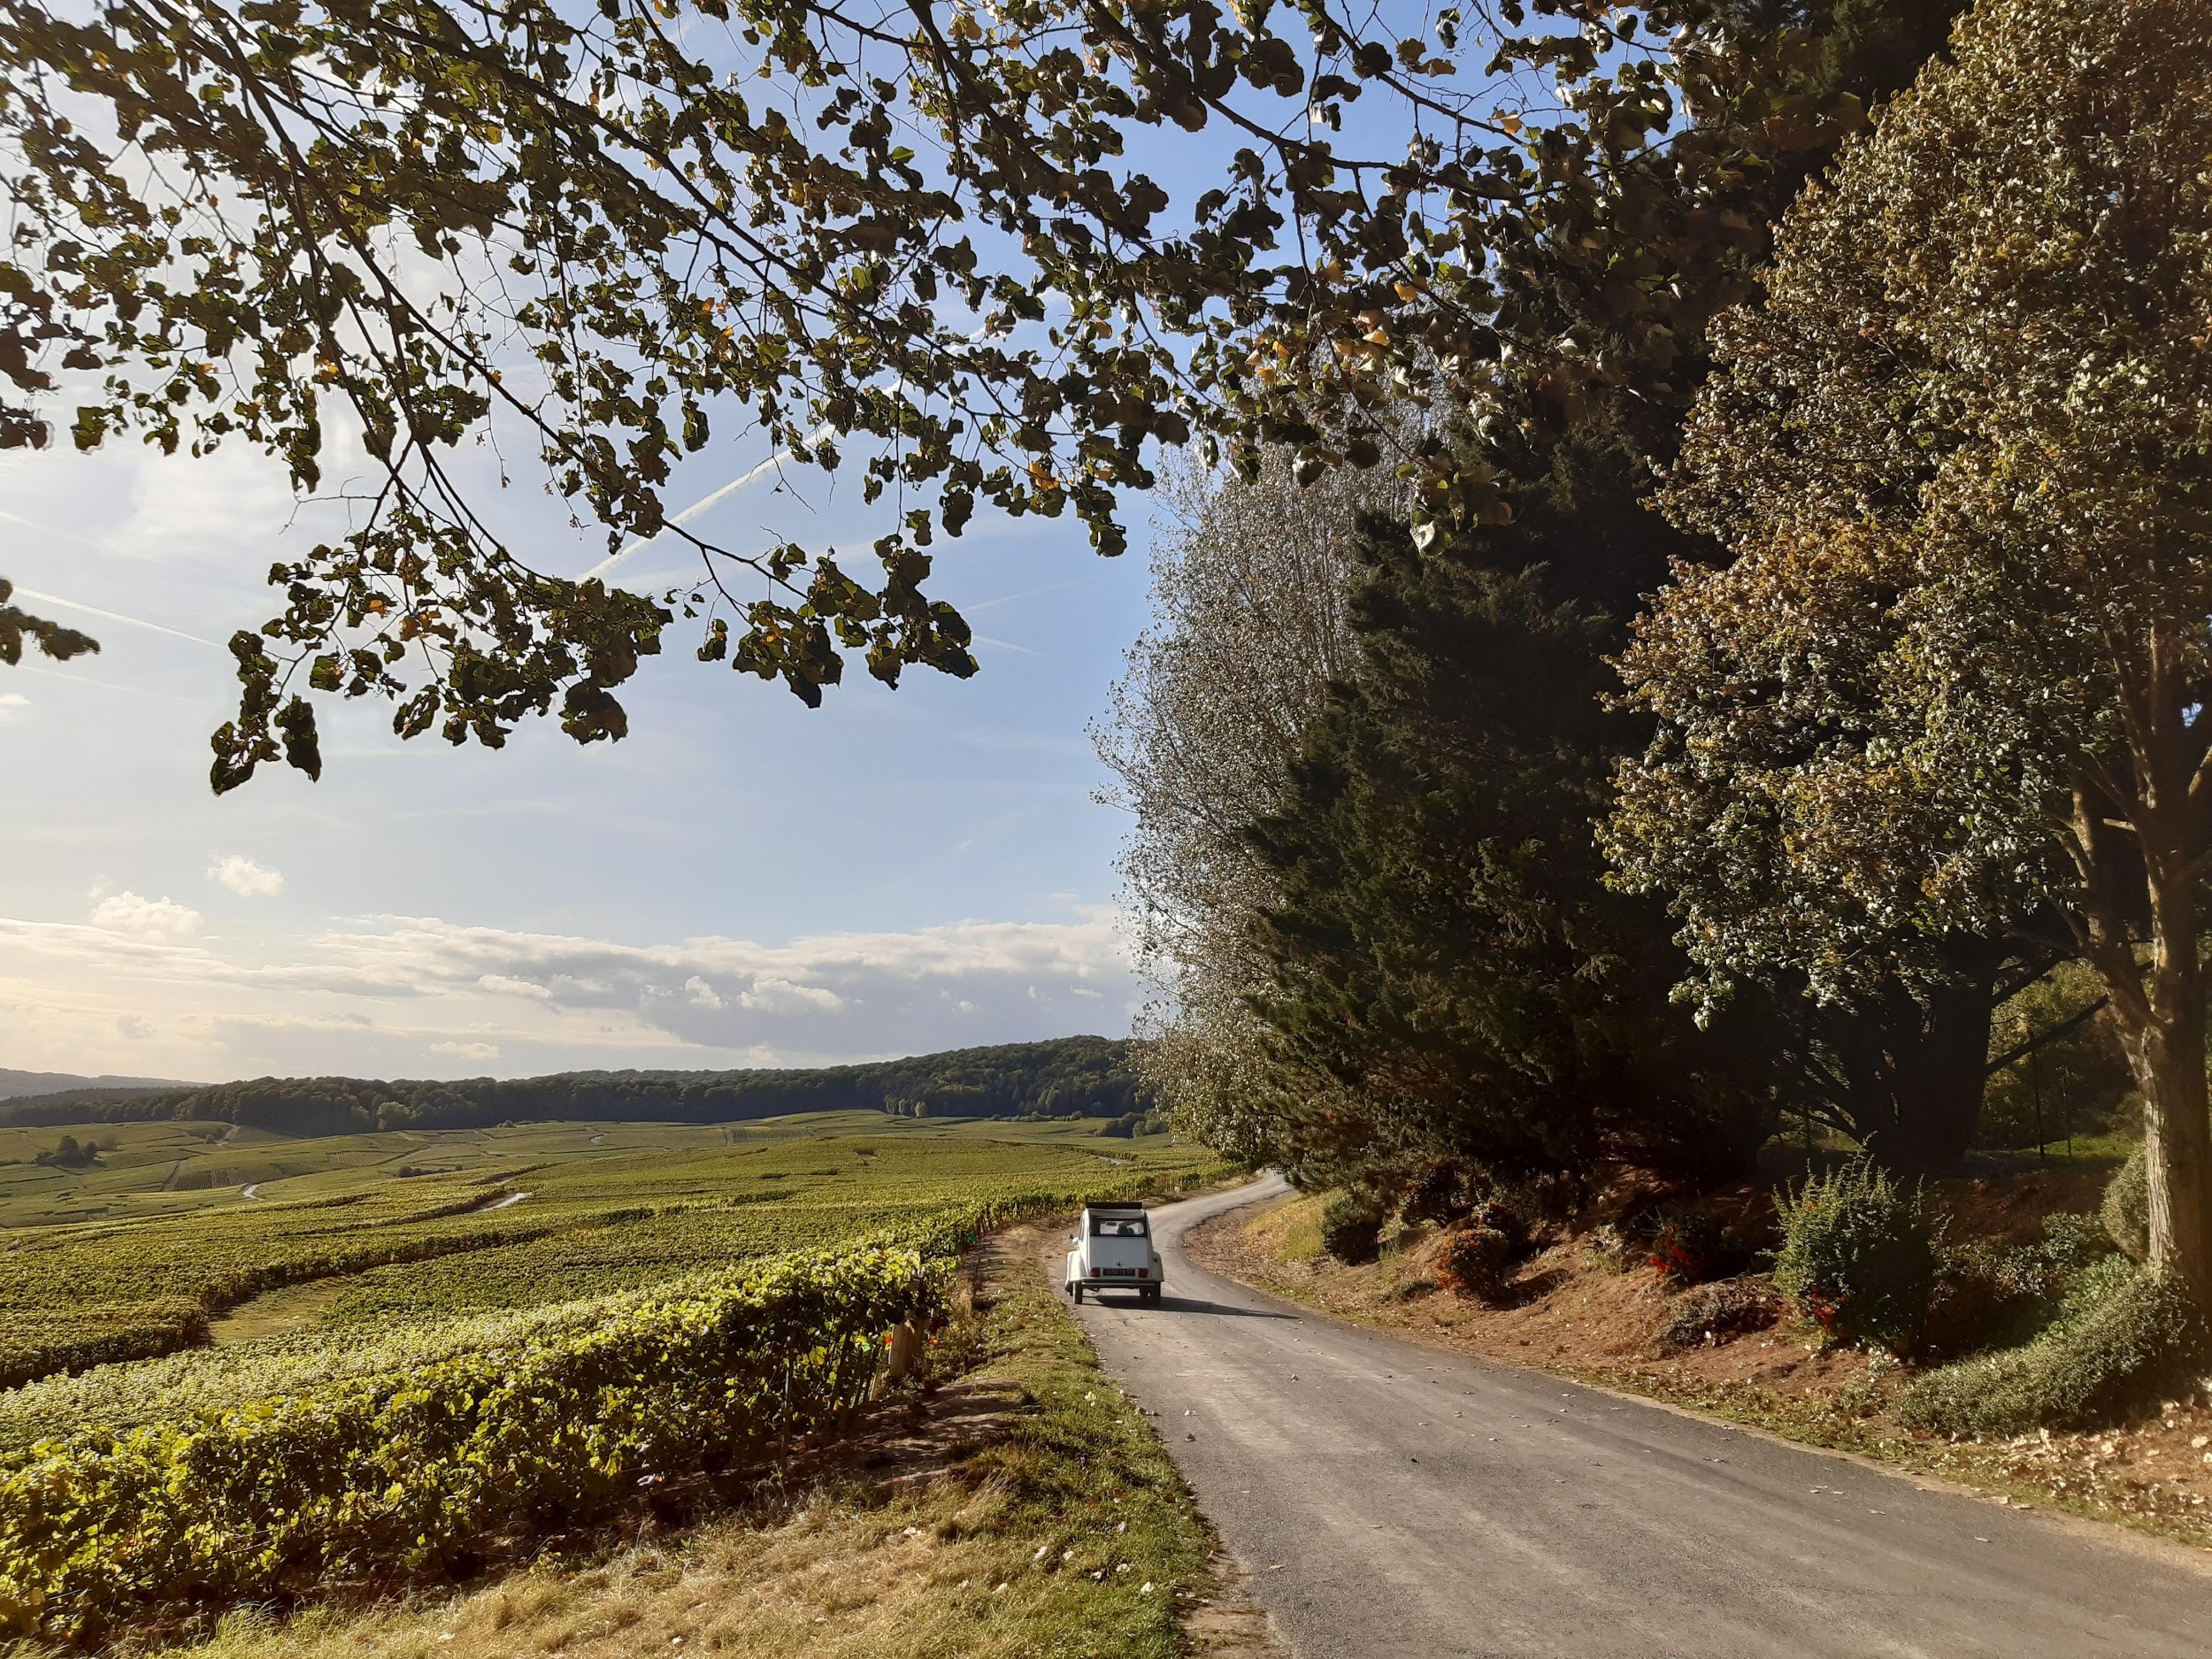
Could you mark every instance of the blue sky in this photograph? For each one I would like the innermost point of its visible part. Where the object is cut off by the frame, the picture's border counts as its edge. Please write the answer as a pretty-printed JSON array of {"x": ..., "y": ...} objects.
[{"x": 742, "y": 881}]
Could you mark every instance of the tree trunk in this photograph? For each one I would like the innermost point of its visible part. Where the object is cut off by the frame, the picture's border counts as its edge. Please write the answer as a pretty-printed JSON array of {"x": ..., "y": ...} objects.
[
  {"x": 2166, "y": 1050},
  {"x": 1913, "y": 1072},
  {"x": 2144, "y": 867},
  {"x": 1939, "y": 1079},
  {"x": 2169, "y": 1061}
]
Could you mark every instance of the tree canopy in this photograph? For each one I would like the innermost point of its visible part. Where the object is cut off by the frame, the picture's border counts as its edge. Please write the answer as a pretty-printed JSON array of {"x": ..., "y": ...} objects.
[
  {"x": 1447, "y": 976},
  {"x": 910, "y": 233}
]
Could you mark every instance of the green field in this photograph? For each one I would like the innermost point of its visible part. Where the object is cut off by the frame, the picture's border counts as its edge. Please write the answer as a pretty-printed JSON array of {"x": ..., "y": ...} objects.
[
  {"x": 232, "y": 1361},
  {"x": 186, "y": 1234}
]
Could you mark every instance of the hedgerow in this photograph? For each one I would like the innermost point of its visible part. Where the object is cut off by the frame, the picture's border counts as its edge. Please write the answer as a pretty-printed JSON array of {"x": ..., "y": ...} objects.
[{"x": 404, "y": 1470}]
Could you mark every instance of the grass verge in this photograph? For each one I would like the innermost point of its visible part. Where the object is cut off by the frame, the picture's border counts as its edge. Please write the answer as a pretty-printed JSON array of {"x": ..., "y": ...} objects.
[{"x": 1031, "y": 1514}]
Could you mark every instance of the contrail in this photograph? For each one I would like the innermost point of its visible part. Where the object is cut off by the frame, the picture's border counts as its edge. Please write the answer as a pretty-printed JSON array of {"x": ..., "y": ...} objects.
[
  {"x": 821, "y": 432},
  {"x": 114, "y": 616},
  {"x": 697, "y": 507}
]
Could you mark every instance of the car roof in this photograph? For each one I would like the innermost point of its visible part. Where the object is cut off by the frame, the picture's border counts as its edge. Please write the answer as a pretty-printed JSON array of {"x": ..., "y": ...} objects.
[{"x": 1124, "y": 1205}]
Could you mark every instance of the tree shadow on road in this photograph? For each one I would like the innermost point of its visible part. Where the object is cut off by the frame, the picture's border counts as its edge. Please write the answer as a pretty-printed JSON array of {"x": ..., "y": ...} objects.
[{"x": 1189, "y": 1304}]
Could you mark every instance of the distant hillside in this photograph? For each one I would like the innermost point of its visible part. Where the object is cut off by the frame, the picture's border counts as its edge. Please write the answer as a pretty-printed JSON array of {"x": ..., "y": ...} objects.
[
  {"x": 1067, "y": 1077},
  {"x": 14, "y": 1085}
]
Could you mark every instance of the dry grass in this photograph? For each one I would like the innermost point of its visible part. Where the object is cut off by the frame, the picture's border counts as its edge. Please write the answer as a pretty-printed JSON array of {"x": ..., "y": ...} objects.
[{"x": 842, "y": 1575}]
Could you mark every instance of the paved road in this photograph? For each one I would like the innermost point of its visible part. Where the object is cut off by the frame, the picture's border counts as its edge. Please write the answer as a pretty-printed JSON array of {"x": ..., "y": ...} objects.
[{"x": 1392, "y": 1501}]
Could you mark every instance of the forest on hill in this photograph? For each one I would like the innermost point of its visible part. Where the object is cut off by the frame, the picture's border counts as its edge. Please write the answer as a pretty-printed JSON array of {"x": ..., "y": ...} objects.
[
  {"x": 15, "y": 1085},
  {"x": 1063, "y": 1077}
]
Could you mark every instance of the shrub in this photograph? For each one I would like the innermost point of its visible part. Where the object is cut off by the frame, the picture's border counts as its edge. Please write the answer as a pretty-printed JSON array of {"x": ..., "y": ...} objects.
[
  {"x": 2122, "y": 1339},
  {"x": 2127, "y": 1208},
  {"x": 1856, "y": 1256},
  {"x": 1985, "y": 1294},
  {"x": 1685, "y": 1246},
  {"x": 2071, "y": 1244},
  {"x": 1351, "y": 1228},
  {"x": 1612, "y": 1248},
  {"x": 1442, "y": 1193},
  {"x": 1718, "y": 1313},
  {"x": 1477, "y": 1261}
]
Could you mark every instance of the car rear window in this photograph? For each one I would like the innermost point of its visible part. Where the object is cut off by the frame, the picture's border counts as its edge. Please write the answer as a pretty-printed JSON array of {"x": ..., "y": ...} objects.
[{"x": 1118, "y": 1227}]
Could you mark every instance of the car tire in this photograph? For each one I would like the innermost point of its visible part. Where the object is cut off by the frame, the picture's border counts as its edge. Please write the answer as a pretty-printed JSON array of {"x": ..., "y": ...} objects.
[{"x": 1077, "y": 1292}]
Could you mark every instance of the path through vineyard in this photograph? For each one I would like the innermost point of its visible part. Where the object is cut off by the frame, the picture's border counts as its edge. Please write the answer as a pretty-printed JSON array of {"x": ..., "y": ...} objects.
[{"x": 1393, "y": 1501}]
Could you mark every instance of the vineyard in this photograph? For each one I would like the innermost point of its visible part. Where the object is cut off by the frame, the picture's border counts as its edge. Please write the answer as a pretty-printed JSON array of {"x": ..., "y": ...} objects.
[{"x": 477, "y": 1361}]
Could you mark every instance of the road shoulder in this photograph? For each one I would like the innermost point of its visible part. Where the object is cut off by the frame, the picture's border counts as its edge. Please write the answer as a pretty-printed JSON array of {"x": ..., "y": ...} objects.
[{"x": 1822, "y": 1403}]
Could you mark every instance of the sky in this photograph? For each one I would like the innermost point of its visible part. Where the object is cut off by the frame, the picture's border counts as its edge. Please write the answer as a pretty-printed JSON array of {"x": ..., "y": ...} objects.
[{"x": 742, "y": 881}]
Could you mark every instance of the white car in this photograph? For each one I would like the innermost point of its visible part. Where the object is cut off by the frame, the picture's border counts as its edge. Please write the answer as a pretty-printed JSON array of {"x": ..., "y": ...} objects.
[{"x": 1112, "y": 1251}]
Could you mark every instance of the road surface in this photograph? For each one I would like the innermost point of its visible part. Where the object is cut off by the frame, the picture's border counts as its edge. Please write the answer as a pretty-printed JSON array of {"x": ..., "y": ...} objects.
[{"x": 1396, "y": 1501}]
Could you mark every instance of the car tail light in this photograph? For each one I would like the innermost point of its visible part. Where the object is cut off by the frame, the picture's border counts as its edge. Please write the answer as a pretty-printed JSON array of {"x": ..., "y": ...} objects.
[{"x": 1144, "y": 1272}]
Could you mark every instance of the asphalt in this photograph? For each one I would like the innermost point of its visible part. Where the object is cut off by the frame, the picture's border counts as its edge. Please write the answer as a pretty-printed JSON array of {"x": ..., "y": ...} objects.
[{"x": 1391, "y": 1500}]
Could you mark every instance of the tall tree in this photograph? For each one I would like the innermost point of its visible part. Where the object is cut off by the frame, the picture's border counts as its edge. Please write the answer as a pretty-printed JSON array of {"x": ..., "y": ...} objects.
[
  {"x": 1249, "y": 588},
  {"x": 1963, "y": 457},
  {"x": 1448, "y": 947}
]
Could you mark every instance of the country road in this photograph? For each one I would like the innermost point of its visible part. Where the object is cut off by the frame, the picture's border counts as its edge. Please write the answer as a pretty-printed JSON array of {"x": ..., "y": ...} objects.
[{"x": 1396, "y": 1501}]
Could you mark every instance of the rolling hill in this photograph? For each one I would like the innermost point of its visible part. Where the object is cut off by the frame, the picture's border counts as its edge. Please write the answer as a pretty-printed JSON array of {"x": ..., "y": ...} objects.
[{"x": 1064, "y": 1077}]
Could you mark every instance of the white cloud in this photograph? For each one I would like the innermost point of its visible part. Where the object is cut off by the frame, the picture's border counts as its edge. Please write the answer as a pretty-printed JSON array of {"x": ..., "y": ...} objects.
[
  {"x": 499, "y": 985},
  {"x": 467, "y": 1051},
  {"x": 12, "y": 706},
  {"x": 375, "y": 995},
  {"x": 245, "y": 878},
  {"x": 162, "y": 919},
  {"x": 780, "y": 996},
  {"x": 132, "y": 1028}
]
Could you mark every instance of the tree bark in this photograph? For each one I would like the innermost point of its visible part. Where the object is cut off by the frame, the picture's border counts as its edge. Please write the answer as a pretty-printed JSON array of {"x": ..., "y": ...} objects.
[
  {"x": 2168, "y": 1055},
  {"x": 2144, "y": 869}
]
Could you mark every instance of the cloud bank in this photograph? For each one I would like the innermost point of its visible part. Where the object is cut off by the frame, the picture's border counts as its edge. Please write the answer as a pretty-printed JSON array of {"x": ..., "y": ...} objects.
[{"x": 422, "y": 996}]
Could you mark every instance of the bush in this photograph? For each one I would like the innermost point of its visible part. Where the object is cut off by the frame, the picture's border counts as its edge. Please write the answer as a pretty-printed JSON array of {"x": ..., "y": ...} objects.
[
  {"x": 1856, "y": 1256},
  {"x": 1717, "y": 1313},
  {"x": 1610, "y": 1246},
  {"x": 1985, "y": 1294},
  {"x": 2127, "y": 1208},
  {"x": 1351, "y": 1228},
  {"x": 1442, "y": 1193},
  {"x": 1477, "y": 1261},
  {"x": 2124, "y": 1338},
  {"x": 1685, "y": 1246}
]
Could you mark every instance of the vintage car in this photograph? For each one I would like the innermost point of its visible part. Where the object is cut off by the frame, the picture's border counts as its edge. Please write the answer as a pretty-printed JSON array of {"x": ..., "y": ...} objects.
[{"x": 1112, "y": 1249}]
